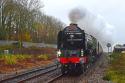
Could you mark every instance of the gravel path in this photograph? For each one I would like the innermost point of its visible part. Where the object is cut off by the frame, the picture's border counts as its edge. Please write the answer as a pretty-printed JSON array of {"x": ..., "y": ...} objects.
[{"x": 97, "y": 75}]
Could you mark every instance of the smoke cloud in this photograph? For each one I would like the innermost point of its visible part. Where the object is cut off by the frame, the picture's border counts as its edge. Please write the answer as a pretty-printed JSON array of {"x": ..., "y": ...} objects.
[{"x": 93, "y": 24}]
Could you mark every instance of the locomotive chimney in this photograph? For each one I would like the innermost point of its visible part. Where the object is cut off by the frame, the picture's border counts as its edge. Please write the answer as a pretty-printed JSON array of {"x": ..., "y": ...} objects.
[{"x": 73, "y": 24}]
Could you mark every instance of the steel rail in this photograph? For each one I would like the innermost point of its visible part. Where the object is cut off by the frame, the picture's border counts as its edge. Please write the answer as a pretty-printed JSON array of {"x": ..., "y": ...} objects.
[{"x": 29, "y": 74}]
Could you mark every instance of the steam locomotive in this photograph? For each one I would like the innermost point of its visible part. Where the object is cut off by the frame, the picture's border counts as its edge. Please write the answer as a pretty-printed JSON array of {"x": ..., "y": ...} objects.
[{"x": 77, "y": 50}]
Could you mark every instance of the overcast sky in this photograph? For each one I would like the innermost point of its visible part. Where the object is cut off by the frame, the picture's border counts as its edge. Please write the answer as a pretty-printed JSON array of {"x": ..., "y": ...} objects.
[{"x": 112, "y": 11}]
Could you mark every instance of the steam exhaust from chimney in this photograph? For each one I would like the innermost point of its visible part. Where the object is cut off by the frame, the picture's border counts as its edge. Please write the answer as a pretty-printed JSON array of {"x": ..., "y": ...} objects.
[{"x": 92, "y": 24}]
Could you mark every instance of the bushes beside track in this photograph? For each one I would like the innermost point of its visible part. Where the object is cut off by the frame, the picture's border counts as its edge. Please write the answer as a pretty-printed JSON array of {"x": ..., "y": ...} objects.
[
  {"x": 116, "y": 70},
  {"x": 11, "y": 59}
]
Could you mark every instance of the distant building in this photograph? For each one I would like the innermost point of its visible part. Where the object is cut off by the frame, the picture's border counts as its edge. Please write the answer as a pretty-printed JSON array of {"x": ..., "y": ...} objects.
[{"x": 119, "y": 48}]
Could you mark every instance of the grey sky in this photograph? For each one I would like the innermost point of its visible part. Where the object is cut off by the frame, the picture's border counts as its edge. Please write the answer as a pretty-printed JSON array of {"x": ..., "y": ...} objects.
[{"x": 112, "y": 11}]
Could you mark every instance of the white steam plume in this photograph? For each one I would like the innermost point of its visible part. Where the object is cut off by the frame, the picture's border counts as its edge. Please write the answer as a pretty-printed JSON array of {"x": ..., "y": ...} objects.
[{"x": 92, "y": 24}]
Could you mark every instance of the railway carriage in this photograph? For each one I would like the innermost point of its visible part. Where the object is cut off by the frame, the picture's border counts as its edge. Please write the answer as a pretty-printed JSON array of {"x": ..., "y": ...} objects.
[{"x": 76, "y": 49}]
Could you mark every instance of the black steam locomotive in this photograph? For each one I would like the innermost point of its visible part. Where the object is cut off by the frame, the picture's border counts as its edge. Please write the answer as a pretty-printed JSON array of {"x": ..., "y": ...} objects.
[{"x": 76, "y": 49}]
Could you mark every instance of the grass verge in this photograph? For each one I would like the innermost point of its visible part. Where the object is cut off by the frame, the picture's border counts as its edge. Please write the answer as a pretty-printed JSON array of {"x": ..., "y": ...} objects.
[{"x": 116, "y": 70}]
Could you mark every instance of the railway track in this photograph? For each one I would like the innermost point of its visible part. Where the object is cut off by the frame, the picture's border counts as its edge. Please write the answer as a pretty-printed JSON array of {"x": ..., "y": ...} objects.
[
  {"x": 34, "y": 74},
  {"x": 55, "y": 78}
]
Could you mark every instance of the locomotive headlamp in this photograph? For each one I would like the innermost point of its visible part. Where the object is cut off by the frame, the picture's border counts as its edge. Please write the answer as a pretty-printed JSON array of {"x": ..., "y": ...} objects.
[
  {"x": 59, "y": 53},
  {"x": 81, "y": 60}
]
